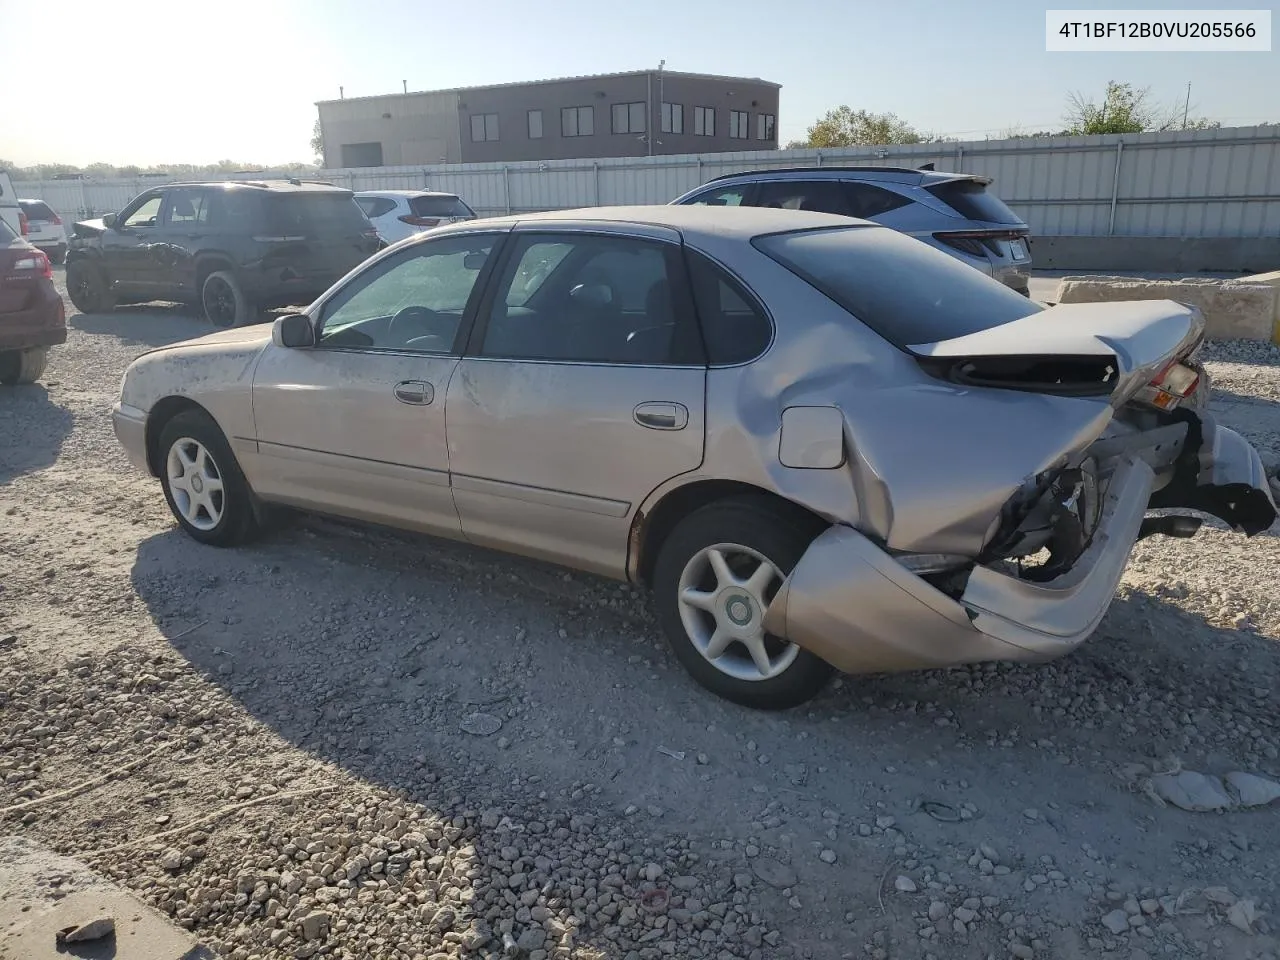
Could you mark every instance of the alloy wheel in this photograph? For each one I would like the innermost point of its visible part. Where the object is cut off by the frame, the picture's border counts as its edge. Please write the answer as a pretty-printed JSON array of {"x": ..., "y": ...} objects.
[{"x": 195, "y": 483}]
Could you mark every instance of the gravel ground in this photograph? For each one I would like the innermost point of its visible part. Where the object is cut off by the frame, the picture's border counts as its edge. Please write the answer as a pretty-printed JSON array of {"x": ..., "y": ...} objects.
[{"x": 348, "y": 743}]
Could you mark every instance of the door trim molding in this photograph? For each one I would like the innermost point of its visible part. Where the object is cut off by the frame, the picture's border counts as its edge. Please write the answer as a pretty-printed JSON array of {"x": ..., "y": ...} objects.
[{"x": 542, "y": 496}]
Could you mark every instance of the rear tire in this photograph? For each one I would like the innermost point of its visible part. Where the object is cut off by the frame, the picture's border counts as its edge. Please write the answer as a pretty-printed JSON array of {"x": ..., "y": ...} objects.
[
  {"x": 202, "y": 481},
  {"x": 23, "y": 366},
  {"x": 224, "y": 302},
  {"x": 715, "y": 575},
  {"x": 88, "y": 289}
]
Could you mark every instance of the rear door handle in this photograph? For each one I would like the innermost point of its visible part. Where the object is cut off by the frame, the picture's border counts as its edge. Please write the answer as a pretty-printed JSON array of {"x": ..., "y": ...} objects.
[
  {"x": 661, "y": 415},
  {"x": 414, "y": 391}
]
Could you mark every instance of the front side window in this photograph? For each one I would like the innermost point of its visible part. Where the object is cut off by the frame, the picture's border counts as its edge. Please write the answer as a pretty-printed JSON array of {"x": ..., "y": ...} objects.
[
  {"x": 591, "y": 299},
  {"x": 577, "y": 121},
  {"x": 145, "y": 214},
  {"x": 673, "y": 118},
  {"x": 739, "y": 124},
  {"x": 628, "y": 118},
  {"x": 722, "y": 197},
  {"x": 188, "y": 207},
  {"x": 414, "y": 302},
  {"x": 704, "y": 121},
  {"x": 904, "y": 290}
]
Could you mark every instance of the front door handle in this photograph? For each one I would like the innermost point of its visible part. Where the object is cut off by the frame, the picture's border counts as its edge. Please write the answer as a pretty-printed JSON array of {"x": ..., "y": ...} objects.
[
  {"x": 414, "y": 391},
  {"x": 662, "y": 415}
]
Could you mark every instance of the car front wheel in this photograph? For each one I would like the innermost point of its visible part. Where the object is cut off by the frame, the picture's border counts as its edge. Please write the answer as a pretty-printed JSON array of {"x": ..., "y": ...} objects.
[
  {"x": 715, "y": 577},
  {"x": 88, "y": 288},
  {"x": 202, "y": 482}
]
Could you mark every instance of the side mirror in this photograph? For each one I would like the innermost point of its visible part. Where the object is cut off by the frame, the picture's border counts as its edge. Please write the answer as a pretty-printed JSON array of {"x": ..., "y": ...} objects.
[
  {"x": 474, "y": 261},
  {"x": 293, "y": 330},
  {"x": 109, "y": 219}
]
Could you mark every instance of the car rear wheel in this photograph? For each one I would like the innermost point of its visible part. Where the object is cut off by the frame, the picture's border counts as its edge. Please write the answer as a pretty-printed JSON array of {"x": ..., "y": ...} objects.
[
  {"x": 715, "y": 577},
  {"x": 88, "y": 288},
  {"x": 224, "y": 302},
  {"x": 23, "y": 366},
  {"x": 202, "y": 481}
]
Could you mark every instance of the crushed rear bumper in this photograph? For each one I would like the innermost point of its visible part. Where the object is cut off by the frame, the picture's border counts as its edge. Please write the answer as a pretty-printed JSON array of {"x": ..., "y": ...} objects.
[{"x": 852, "y": 604}]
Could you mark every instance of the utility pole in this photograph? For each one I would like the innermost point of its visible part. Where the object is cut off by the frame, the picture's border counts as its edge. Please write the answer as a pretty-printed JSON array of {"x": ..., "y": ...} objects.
[{"x": 1186, "y": 107}]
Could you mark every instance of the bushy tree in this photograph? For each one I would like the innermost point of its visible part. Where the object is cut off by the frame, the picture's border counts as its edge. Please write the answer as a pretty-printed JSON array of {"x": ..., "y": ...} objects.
[{"x": 846, "y": 127}]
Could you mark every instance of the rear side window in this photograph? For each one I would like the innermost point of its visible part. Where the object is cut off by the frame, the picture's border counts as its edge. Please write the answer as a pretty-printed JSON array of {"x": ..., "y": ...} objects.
[
  {"x": 439, "y": 207},
  {"x": 36, "y": 210},
  {"x": 315, "y": 215},
  {"x": 735, "y": 328},
  {"x": 723, "y": 197},
  {"x": 376, "y": 206},
  {"x": 867, "y": 201},
  {"x": 6, "y": 233},
  {"x": 973, "y": 201},
  {"x": 235, "y": 209},
  {"x": 904, "y": 290}
]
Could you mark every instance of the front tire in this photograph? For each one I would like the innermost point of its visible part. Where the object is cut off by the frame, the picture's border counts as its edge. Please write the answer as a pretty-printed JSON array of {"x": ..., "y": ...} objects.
[
  {"x": 23, "y": 366},
  {"x": 224, "y": 302},
  {"x": 203, "y": 484},
  {"x": 88, "y": 289},
  {"x": 715, "y": 576}
]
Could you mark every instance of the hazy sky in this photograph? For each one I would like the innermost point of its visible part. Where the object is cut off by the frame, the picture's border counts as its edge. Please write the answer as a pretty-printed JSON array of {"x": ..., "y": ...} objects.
[{"x": 142, "y": 81}]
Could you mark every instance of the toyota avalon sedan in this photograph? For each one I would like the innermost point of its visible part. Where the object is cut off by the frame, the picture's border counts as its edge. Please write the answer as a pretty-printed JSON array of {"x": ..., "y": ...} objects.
[{"x": 823, "y": 445}]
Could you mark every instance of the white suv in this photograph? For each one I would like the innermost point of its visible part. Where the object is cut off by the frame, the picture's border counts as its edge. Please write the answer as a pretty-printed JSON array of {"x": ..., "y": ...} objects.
[
  {"x": 45, "y": 230},
  {"x": 397, "y": 214}
]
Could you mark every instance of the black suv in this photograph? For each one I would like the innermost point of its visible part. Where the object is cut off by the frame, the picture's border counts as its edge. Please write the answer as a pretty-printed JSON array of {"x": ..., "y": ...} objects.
[{"x": 232, "y": 248}]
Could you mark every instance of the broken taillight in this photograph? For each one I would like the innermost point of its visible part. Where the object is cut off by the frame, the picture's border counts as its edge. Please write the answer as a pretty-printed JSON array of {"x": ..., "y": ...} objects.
[{"x": 1170, "y": 386}]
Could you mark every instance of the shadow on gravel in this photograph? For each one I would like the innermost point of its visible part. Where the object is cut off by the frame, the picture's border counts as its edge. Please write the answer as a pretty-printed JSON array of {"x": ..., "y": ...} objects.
[
  {"x": 32, "y": 430},
  {"x": 150, "y": 325},
  {"x": 391, "y": 656}
]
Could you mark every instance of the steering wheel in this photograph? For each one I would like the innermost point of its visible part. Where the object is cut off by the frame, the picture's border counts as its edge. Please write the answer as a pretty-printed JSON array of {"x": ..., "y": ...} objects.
[{"x": 414, "y": 323}]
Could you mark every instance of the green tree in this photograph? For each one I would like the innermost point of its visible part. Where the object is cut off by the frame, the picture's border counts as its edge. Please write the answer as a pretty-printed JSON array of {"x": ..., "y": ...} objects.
[
  {"x": 317, "y": 143},
  {"x": 846, "y": 127},
  {"x": 1126, "y": 109}
]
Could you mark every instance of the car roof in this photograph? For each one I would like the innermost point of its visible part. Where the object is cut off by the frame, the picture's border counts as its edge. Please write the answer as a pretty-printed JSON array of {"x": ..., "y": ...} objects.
[
  {"x": 861, "y": 172},
  {"x": 738, "y": 222},
  {"x": 270, "y": 186},
  {"x": 405, "y": 194}
]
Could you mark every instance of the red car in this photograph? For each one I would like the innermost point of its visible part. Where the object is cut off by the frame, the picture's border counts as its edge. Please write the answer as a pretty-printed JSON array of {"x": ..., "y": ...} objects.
[{"x": 32, "y": 316}]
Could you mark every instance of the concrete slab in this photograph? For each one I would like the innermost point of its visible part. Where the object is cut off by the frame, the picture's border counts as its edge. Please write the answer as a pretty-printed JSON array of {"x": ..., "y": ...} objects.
[
  {"x": 1233, "y": 309},
  {"x": 1271, "y": 279},
  {"x": 42, "y": 892}
]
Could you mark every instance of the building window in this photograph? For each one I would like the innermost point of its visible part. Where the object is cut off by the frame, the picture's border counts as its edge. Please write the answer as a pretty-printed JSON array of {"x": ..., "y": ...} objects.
[
  {"x": 672, "y": 118},
  {"x": 739, "y": 124},
  {"x": 704, "y": 121},
  {"x": 535, "y": 124},
  {"x": 361, "y": 154},
  {"x": 484, "y": 126},
  {"x": 628, "y": 117},
  {"x": 765, "y": 126},
  {"x": 577, "y": 121}
]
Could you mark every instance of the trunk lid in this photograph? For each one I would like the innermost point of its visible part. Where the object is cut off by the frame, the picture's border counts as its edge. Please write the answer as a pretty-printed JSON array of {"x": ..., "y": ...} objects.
[{"x": 1079, "y": 349}]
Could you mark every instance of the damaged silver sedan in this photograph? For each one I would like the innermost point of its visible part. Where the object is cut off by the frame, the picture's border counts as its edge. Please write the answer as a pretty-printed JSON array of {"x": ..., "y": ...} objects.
[{"x": 822, "y": 444}]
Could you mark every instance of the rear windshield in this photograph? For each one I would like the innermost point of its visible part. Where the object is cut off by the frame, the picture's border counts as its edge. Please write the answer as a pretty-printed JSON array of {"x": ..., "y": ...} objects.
[
  {"x": 439, "y": 207},
  {"x": 973, "y": 201},
  {"x": 36, "y": 209},
  {"x": 315, "y": 215},
  {"x": 901, "y": 288}
]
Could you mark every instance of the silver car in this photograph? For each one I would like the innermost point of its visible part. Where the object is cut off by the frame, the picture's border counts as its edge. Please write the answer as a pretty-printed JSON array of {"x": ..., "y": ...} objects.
[
  {"x": 953, "y": 212},
  {"x": 821, "y": 444}
]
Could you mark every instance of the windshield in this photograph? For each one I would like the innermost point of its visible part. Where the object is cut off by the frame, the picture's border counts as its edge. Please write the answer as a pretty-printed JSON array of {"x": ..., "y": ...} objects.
[
  {"x": 316, "y": 215},
  {"x": 901, "y": 288},
  {"x": 439, "y": 207}
]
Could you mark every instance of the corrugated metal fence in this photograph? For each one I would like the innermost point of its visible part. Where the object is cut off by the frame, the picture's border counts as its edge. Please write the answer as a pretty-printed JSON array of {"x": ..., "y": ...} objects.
[{"x": 1205, "y": 183}]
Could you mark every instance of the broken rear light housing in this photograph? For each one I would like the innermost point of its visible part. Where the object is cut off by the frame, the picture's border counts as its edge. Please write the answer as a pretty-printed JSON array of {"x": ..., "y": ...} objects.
[{"x": 1170, "y": 386}]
